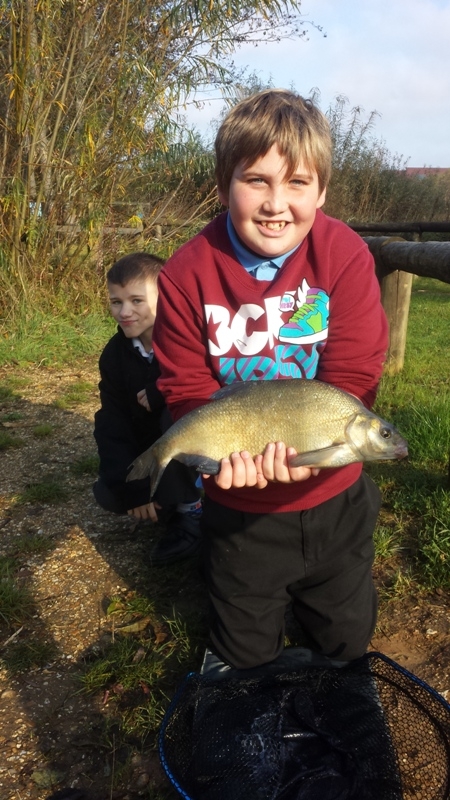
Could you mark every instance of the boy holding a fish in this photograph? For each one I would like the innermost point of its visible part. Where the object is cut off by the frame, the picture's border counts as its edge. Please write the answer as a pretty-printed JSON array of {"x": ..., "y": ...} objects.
[
  {"x": 133, "y": 414},
  {"x": 273, "y": 289}
]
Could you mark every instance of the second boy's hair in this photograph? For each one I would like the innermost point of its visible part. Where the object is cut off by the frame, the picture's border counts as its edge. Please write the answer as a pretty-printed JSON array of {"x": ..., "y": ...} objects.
[
  {"x": 135, "y": 267},
  {"x": 274, "y": 116}
]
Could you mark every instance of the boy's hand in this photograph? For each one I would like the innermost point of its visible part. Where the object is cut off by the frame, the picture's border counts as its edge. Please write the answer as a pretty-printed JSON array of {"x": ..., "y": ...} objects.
[
  {"x": 144, "y": 512},
  {"x": 142, "y": 399},
  {"x": 273, "y": 465}
]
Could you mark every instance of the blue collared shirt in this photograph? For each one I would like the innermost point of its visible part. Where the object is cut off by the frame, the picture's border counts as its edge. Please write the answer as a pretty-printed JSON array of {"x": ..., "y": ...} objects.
[{"x": 264, "y": 269}]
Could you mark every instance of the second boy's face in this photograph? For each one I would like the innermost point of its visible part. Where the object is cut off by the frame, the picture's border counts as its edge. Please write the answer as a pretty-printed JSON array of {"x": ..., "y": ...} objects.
[
  {"x": 271, "y": 213},
  {"x": 134, "y": 308}
]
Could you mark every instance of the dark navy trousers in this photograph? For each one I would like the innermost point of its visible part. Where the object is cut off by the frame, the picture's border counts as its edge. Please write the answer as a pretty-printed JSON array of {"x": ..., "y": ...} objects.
[{"x": 320, "y": 560}]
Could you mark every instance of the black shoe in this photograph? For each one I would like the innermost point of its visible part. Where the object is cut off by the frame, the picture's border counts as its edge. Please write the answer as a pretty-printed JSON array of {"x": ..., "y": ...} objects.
[{"x": 182, "y": 540}]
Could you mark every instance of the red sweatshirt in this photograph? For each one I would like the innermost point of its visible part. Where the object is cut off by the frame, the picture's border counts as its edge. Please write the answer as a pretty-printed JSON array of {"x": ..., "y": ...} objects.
[{"x": 320, "y": 317}]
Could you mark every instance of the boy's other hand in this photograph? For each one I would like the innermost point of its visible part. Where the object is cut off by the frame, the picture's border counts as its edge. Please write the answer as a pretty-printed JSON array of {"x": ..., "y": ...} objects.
[
  {"x": 142, "y": 399},
  {"x": 144, "y": 512},
  {"x": 272, "y": 466}
]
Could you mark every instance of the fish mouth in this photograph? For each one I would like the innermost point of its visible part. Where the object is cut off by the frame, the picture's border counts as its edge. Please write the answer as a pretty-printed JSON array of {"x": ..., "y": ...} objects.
[{"x": 401, "y": 450}]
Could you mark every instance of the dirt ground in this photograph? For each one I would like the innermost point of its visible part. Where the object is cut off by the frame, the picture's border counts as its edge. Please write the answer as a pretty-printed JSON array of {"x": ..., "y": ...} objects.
[{"x": 49, "y": 733}]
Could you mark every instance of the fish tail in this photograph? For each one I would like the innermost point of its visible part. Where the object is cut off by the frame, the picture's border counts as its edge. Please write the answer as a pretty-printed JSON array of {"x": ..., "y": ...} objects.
[{"x": 148, "y": 464}]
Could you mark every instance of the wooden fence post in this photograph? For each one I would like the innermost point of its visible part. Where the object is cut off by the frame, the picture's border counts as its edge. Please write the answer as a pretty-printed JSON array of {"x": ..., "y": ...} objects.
[{"x": 396, "y": 297}]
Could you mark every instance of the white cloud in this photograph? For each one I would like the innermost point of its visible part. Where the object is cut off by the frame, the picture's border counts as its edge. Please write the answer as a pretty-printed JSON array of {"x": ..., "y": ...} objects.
[{"x": 392, "y": 56}]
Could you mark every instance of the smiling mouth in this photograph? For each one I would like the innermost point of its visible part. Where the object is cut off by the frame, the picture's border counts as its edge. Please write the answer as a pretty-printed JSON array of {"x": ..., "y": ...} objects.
[{"x": 273, "y": 226}]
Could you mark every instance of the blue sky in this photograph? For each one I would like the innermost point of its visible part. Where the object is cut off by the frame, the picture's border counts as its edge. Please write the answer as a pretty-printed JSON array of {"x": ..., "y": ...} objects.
[{"x": 389, "y": 56}]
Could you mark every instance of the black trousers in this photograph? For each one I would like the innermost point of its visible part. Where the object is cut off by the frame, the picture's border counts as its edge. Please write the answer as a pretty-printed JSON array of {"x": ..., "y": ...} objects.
[
  {"x": 320, "y": 560},
  {"x": 177, "y": 486}
]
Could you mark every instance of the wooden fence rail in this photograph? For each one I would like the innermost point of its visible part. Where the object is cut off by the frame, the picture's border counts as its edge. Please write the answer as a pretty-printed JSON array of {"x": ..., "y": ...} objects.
[{"x": 396, "y": 262}]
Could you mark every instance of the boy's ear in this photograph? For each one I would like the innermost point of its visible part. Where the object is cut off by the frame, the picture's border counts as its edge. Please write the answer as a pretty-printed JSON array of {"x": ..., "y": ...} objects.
[
  {"x": 223, "y": 196},
  {"x": 322, "y": 198}
]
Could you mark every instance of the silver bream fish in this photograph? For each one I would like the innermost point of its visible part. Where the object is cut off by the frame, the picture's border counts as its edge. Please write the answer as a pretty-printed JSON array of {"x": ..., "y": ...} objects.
[{"x": 327, "y": 426}]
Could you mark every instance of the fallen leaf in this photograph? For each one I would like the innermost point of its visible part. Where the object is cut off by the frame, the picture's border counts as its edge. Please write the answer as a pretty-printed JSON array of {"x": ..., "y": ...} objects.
[{"x": 135, "y": 627}]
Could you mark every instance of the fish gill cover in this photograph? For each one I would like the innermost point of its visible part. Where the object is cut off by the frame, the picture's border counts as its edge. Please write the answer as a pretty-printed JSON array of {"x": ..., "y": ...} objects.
[{"x": 367, "y": 731}]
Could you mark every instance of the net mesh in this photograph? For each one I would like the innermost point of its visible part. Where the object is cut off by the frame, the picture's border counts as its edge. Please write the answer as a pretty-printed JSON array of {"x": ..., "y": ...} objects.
[{"x": 367, "y": 731}]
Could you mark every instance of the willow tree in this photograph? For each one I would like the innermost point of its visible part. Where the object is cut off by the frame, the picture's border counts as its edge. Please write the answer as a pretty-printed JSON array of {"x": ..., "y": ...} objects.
[{"x": 87, "y": 96}]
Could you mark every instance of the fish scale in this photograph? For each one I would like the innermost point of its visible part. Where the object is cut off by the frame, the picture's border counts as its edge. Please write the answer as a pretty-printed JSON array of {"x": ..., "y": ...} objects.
[{"x": 327, "y": 427}]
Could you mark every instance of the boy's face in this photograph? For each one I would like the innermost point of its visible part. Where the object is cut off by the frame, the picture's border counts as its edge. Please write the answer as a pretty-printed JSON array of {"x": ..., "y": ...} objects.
[
  {"x": 271, "y": 213},
  {"x": 133, "y": 306}
]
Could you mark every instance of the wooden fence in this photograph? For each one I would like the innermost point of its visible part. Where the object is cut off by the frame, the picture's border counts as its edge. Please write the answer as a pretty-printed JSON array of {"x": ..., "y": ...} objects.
[{"x": 397, "y": 261}]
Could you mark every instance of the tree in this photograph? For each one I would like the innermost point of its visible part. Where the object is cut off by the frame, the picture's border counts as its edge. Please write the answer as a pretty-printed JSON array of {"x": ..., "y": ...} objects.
[
  {"x": 369, "y": 183},
  {"x": 88, "y": 100}
]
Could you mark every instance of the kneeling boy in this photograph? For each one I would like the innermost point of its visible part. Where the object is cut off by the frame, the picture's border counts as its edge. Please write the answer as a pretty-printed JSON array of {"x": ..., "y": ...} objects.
[{"x": 133, "y": 414}]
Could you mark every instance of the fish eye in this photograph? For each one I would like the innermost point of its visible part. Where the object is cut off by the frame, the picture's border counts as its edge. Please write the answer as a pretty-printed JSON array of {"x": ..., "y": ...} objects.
[{"x": 386, "y": 433}]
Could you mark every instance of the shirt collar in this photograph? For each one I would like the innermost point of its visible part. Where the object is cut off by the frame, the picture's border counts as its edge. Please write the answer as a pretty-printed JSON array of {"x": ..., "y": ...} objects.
[
  {"x": 247, "y": 258},
  {"x": 139, "y": 346}
]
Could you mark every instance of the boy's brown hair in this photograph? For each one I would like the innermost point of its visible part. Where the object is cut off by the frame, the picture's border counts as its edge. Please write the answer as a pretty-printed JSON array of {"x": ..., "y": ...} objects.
[
  {"x": 135, "y": 267},
  {"x": 274, "y": 116}
]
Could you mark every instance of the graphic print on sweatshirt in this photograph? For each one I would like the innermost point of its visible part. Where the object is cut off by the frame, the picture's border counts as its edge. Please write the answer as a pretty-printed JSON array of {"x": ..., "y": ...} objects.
[{"x": 281, "y": 338}]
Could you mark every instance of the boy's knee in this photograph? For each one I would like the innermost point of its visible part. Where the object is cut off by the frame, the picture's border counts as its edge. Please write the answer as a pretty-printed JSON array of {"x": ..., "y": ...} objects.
[{"x": 106, "y": 498}]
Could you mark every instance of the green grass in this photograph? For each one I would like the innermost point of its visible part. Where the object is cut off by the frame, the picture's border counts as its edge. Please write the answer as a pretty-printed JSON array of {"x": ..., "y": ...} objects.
[
  {"x": 416, "y": 492},
  {"x": 11, "y": 416},
  {"x": 8, "y": 441},
  {"x": 28, "y": 655},
  {"x": 86, "y": 466},
  {"x": 16, "y": 603},
  {"x": 45, "y": 491},
  {"x": 138, "y": 670},
  {"x": 11, "y": 385},
  {"x": 77, "y": 394},
  {"x": 6, "y": 392},
  {"x": 43, "y": 430},
  {"x": 56, "y": 338},
  {"x": 34, "y": 544}
]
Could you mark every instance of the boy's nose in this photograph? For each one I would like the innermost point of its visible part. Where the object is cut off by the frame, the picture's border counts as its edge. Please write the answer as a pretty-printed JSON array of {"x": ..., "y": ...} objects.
[
  {"x": 275, "y": 201},
  {"x": 126, "y": 311}
]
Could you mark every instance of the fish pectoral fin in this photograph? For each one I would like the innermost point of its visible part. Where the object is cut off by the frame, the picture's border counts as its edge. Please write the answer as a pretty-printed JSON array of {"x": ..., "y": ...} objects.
[
  {"x": 209, "y": 466},
  {"x": 334, "y": 456}
]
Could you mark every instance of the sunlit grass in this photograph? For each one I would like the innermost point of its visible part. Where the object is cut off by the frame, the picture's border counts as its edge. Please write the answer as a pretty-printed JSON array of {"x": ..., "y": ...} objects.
[
  {"x": 56, "y": 338},
  {"x": 416, "y": 492},
  {"x": 78, "y": 393}
]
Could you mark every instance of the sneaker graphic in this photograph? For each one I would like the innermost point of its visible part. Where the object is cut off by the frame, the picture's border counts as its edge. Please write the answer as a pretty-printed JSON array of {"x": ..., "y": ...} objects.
[{"x": 310, "y": 322}]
